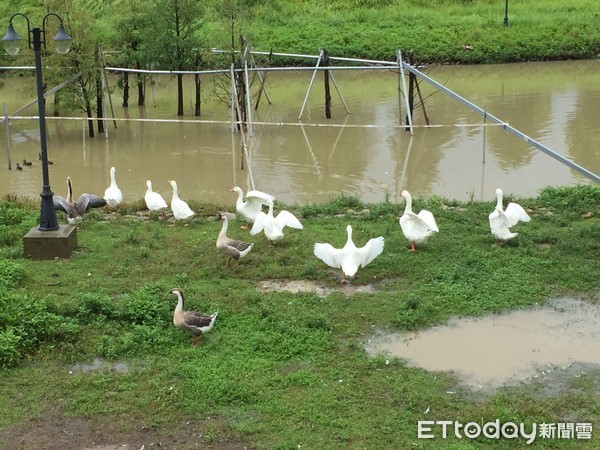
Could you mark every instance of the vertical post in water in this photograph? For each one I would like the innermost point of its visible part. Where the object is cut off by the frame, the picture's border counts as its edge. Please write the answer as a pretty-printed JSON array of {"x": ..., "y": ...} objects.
[
  {"x": 6, "y": 128},
  {"x": 326, "y": 82},
  {"x": 312, "y": 80},
  {"x": 248, "y": 98},
  {"x": 484, "y": 127},
  {"x": 408, "y": 115}
]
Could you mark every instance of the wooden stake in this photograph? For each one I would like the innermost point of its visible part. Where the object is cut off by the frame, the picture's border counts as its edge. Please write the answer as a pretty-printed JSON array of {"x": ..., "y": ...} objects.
[
  {"x": 7, "y": 129},
  {"x": 326, "y": 82}
]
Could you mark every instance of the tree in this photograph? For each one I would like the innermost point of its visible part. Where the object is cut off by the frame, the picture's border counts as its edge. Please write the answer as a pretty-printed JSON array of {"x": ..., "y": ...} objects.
[
  {"x": 172, "y": 39},
  {"x": 132, "y": 18}
]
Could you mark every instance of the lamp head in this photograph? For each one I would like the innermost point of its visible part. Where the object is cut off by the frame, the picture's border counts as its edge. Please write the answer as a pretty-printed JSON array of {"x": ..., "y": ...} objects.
[
  {"x": 12, "y": 41},
  {"x": 62, "y": 40}
]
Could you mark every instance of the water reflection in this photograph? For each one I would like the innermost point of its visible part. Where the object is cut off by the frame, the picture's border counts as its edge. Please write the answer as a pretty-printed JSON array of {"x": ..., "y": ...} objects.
[{"x": 555, "y": 103}]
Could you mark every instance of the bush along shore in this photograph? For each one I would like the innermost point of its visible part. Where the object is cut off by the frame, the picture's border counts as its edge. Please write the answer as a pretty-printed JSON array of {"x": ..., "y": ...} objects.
[{"x": 89, "y": 352}]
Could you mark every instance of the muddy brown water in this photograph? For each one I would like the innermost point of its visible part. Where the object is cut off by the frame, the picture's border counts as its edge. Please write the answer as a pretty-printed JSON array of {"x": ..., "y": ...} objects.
[
  {"x": 554, "y": 102},
  {"x": 505, "y": 349}
]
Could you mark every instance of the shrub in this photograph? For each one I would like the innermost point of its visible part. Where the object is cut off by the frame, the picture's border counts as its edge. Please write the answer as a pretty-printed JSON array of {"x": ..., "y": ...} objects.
[
  {"x": 11, "y": 274},
  {"x": 146, "y": 306},
  {"x": 9, "y": 348}
]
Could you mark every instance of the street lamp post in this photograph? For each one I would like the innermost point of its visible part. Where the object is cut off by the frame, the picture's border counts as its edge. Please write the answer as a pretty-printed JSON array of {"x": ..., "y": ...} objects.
[
  {"x": 506, "y": 14},
  {"x": 37, "y": 38}
]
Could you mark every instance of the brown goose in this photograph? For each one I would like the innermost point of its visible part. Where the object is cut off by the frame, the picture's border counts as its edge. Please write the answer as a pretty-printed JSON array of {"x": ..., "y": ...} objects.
[
  {"x": 231, "y": 247},
  {"x": 76, "y": 209},
  {"x": 195, "y": 322}
]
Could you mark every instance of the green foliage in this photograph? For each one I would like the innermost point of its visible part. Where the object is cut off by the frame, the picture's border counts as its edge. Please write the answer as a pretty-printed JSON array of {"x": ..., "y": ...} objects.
[
  {"x": 11, "y": 274},
  {"x": 133, "y": 341},
  {"x": 146, "y": 306},
  {"x": 28, "y": 324},
  {"x": 576, "y": 200},
  {"x": 16, "y": 218},
  {"x": 9, "y": 348}
]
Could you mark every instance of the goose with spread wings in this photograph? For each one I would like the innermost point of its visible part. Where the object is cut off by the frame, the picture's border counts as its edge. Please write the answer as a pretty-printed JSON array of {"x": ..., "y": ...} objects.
[
  {"x": 416, "y": 227},
  {"x": 501, "y": 220},
  {"x": 75, "y": 209},
  {"x": 273, "y": 225},
  {"x": 255, "y": 200},
  {"x": 349, "y": 258}
]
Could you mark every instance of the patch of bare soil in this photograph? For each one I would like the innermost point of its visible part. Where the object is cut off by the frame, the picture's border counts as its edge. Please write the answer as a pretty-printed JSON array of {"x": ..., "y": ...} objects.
[
  {"x": 54, "y": 431},
  {"x": 296, "y": 286},
  {"x": 551, "y": 343}
]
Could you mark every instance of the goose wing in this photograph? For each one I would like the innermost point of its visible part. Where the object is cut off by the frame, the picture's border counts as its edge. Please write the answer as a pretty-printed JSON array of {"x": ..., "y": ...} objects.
[
  {"x": 370, "y": 251},
  {"x": 428, "y": 220},
  {"x": 261, "y": 222},
  {"x": 240, "y": 246},
  {"x": 515, "y": 213},
  {"x": 415, "y": 227},
  {"x": 329, "y": 254},
  {"x": 287, "y": 219},
  {"x": 499, "y": 223},
  {"x": 259, "y": 197},
  {"x": 196, "y": 319},
  {"x": 155, "y": 201},
  {"x": 87, "y": 201},
  {"x": 60, "y": 204}
]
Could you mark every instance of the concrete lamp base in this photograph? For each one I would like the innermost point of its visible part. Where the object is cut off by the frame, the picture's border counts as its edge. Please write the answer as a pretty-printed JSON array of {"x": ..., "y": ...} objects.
[{"x": 50, "y": 244}]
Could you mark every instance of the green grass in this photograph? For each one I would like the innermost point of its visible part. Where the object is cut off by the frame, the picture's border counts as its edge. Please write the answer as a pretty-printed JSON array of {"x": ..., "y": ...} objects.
[
  {"x": 283, "y": 369},
  {"x": 463, "y": 31}
]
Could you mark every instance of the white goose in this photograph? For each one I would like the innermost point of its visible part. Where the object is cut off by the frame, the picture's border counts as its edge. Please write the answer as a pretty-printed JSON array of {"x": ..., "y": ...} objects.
[
  {"x": 416, "y": 227},
  {"x": 273, "y": 226},
  {"x": 253, "y": 204},
  {"x": 231, "y": 247},
  {"x": 501, "y": 220},
  {"x": 154, "y": 201},
  {"x": 113, "y": 194},
  {"x": 181, "y": 210},
  {"x": 349, "y": 258}
]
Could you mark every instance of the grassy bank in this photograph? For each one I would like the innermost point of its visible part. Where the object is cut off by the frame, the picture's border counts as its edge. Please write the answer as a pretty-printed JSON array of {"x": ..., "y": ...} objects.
[
  {"x": 433, "y": 30},
  {"x": 280, "y": 369}
]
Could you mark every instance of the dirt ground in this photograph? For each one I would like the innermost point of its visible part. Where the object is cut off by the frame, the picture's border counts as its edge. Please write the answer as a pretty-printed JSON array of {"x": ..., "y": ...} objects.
[{"x": 53, "y": 431}]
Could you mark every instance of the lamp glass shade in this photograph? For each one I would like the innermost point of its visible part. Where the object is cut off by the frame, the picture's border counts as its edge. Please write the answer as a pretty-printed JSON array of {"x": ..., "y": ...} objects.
[
  {"x": 62, "y": 40},
  {"x": 12, "y": 41}
]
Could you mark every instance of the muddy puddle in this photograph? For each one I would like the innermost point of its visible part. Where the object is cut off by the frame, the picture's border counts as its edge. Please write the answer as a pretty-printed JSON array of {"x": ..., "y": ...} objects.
[
  {"x": 297, "y": 286},
  {"x": 562, "y": 337},
  {"x": 98, "y": 364}
]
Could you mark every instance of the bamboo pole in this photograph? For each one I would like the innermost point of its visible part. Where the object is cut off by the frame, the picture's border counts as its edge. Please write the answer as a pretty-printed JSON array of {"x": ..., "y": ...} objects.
[
  {"x": 107, "y": 85},
  {"x": 312, "y": 80},
  {"x": 49, "y": 92},
  {"x": 483, "y": 150},
  {"x": 233, "y": 100},
  {"x": 339, "y": 93},
  {"x": 326, "y": 85},
  {"x": 422, "y": 102},
  {"x": 248, "y": 98},
  {"x": 103, "y": 88},
  {"x": 244, "y": 141},
  {"x": 401, "y": 64},
  {"x": 7, "y": 130},
  {"x": 262, "y": 83}
]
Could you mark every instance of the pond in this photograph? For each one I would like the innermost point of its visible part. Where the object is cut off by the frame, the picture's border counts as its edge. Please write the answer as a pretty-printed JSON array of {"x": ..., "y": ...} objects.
[{"x": 366, "y": 152}]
